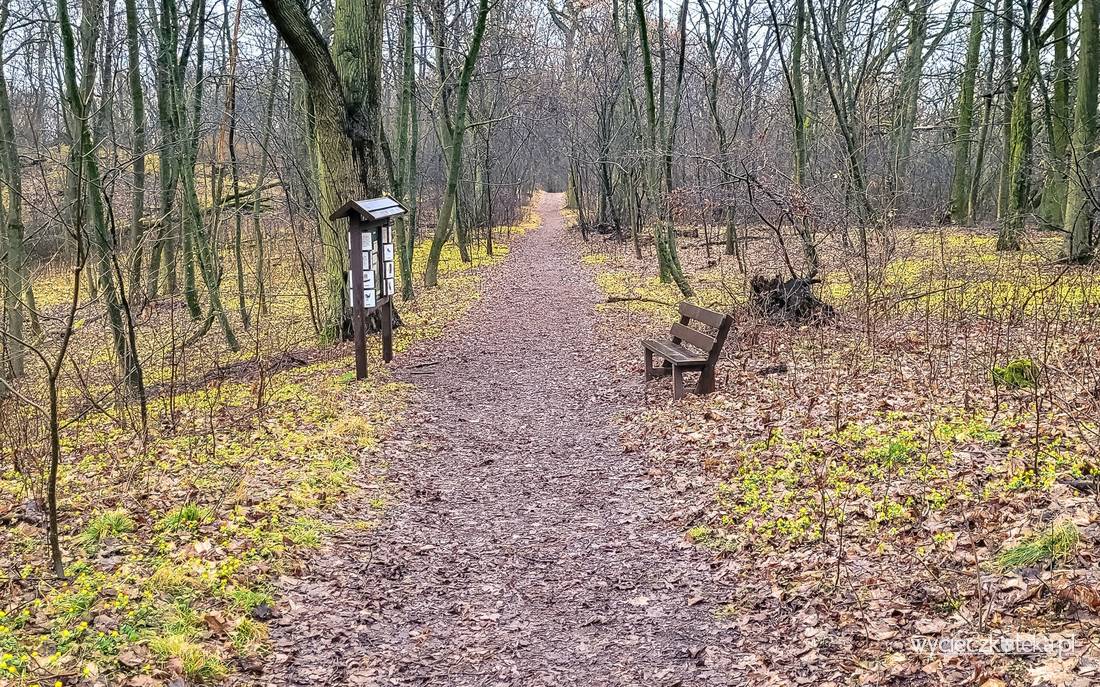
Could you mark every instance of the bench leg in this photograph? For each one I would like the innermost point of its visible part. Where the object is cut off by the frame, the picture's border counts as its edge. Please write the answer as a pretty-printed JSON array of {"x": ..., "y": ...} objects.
[
  {"x": 677, "y": 383},
  {"x": 648, "y": 364},
  {"x": 705, "y": 385}
]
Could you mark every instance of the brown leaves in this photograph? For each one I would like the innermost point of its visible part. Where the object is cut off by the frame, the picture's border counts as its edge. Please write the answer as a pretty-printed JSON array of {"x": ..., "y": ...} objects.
[
  {"x": 195, "y": 549},
  {"x": 132, "y": 657},
  {"x": 897, "y": 543},
  {"x": 215, "y": 621},
  {"x": 1084, "y": 594}
]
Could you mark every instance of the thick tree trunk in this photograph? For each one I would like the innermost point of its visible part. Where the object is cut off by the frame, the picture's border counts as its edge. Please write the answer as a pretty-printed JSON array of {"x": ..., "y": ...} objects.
[
  {"x": 960, "y": 186},
  {"x": 1078, "y": 214},
  {"x": 344, "y": 126}
]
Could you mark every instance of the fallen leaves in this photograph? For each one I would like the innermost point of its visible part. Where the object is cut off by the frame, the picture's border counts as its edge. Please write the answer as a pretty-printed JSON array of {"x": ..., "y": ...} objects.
[{"x": 884, "y": 471}]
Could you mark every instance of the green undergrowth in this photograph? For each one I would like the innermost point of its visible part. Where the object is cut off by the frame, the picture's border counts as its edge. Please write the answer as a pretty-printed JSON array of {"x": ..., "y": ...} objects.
[
  {"x": 785, "y": 491},
  {"x": 636, "y": 292},
  {"x": 962, "y": 273},
  {"x": 173, "y": 542},
  {"x": 173, "y": 547},
  {"x": 871, "y": 481}
]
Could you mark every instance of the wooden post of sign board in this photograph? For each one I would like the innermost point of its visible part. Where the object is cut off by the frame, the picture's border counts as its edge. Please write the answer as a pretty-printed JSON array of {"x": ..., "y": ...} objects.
[
  {"x": 358, "y": 314},
  {"x": 385, "y": 302},
  {"x": 387, "y": 327}
]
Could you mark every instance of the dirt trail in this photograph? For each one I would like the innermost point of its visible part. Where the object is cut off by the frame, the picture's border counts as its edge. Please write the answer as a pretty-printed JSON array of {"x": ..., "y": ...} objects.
[{"x": 523, "y": 548}]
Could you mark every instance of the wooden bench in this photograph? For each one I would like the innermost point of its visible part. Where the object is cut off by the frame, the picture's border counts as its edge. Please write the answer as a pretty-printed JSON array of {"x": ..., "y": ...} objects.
[{"x": 701, "y": 357}]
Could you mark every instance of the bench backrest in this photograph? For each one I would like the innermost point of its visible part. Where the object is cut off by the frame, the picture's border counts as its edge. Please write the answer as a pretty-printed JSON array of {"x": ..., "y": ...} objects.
[{"x": 711, "y": 345}]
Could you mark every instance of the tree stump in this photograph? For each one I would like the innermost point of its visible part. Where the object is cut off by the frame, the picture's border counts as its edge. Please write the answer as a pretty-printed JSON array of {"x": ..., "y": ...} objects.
[{"x": 788, "y": 301}]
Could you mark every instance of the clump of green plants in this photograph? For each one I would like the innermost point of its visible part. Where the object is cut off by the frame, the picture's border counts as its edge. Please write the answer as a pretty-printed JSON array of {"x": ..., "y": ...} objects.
[
  {"x": 101, "y": 527},
  {"x": 1018, "y": 374},
  {"x": 965, "y": 428},
  {"x": 195, "y": 662},
  {"x": 248, "y": 599},
  {"x": 1055, "y": 544},
  {"x": 186, "y": 517},
  {"x": 248, "y": 637},
  {"x": 895, "y": 451},
  {"x": 699, "y": 533}
]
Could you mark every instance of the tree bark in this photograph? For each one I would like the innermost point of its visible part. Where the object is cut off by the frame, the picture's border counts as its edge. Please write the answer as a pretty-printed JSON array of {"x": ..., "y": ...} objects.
[
  {"x": 960, "y": 186},
  {"x": 343, "y": 126},
  {"x": 1078, "y": 242},
  {"x": 458, "y": 134},
  {"x": 13, "y": 279},
  {"x": 137, "y": 100},
  {"x": 664, "y": 232}
]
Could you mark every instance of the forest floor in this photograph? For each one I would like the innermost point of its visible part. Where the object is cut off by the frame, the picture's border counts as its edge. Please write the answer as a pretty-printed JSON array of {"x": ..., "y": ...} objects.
[
  {"x": 174, "y": 538},
  {"x": 848, "y": 509},
  {"x": 509, "y": 504},
  {"x": 880, "y": 500},
  {"x": 523, "y": 547}
]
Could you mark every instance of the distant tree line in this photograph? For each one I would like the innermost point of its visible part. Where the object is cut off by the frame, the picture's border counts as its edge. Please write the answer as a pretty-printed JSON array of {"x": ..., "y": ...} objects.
[{"x": 825, "y": 119}]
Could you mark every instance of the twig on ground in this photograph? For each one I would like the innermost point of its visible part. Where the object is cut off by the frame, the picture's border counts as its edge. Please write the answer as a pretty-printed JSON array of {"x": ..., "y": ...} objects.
[{"x": 624, "y": 299}]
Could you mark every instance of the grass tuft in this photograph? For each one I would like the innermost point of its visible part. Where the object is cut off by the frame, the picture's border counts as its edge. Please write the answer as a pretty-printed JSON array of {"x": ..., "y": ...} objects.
[
  {"x": 248, "y": 637},
  {"x": 189, "y": 516},
  {"x": 105, "y": 525},
  {"x": 195, "y": 662},
  {"x": 1055, "y": 544}
]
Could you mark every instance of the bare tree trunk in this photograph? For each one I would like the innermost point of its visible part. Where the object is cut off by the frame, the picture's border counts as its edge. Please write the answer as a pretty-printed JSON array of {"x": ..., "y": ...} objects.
[
  {"x": 458, "y": 133},
  {"x": 13, "y": 277},
  {"x": 405, "y": 186},
  {"x": 1057, "y": 115},
  {"x": 137, "y": 100},
  {"x": 964, "y": 127},
  {"x": 1007, "y": 28},
  {"x": 260, "y": 269},
  {"x": 1020, "y": 138},
  {"x": 664, "y": 232}
]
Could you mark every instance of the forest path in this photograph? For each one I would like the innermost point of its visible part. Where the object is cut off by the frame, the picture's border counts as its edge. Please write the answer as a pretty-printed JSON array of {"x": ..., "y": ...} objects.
[{"x": 523, "y": 547}]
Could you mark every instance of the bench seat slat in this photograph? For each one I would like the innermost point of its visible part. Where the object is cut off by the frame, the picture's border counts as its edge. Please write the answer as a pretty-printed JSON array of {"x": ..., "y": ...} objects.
[
  {"x": 673, "y": 353},
  {"x": 692, "y": 336}
]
